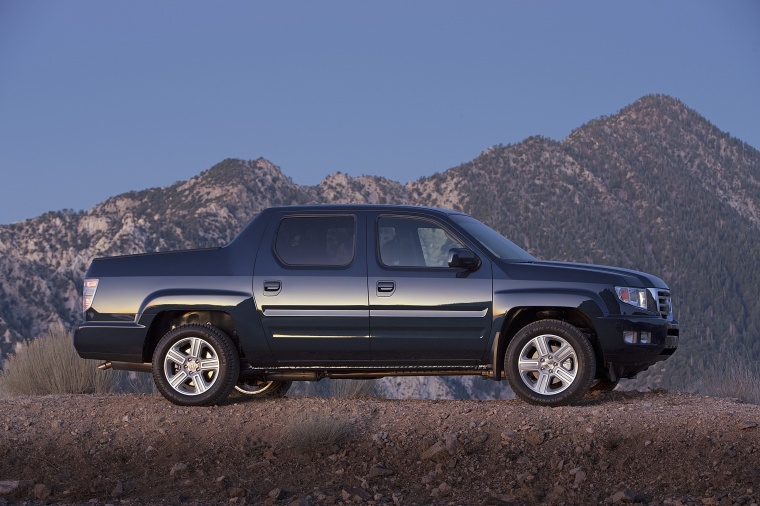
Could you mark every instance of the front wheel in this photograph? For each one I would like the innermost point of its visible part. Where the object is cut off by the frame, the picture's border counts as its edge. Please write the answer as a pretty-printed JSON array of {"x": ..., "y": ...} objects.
[
  {"x": 550, "y": 363},
  {"x": 195, "y": 365}
]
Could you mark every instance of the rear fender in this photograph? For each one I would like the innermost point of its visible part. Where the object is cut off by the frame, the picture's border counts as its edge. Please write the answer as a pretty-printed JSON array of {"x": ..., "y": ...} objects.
[{"x": 161, "y": 308}]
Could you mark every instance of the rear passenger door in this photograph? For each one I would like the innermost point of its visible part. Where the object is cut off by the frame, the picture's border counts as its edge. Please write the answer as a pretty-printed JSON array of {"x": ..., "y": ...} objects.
[
  {"x": 310, "y": 286},
  {"x": 421, "y": 310}
]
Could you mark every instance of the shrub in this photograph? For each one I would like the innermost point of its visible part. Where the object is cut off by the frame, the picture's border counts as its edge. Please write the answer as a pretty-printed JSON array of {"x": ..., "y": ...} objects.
[
  {"x": 351, "y": 389},
  {"x": 334, "y": 389},
  {"x": 311, "y": 431},
  {"x": 739, "y": 380},
  {"x": 50, "y": 365}
]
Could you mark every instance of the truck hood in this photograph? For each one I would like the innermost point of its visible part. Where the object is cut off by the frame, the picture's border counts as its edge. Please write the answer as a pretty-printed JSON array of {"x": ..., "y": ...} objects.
[{"x": 583, "y": 273}]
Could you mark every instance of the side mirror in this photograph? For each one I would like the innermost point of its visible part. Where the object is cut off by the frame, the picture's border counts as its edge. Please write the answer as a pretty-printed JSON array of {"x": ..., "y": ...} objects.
[{"x": 463, "y": 258}]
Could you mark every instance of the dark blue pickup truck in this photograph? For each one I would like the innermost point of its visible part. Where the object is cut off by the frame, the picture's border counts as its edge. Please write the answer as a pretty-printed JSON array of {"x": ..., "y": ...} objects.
[{"x": 364, "y": 291}]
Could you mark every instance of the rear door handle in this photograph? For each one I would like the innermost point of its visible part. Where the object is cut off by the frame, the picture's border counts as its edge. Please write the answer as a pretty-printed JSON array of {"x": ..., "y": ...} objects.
[
  {"x": 272, "y": 287},
  {"x": 386, "y": 288}
]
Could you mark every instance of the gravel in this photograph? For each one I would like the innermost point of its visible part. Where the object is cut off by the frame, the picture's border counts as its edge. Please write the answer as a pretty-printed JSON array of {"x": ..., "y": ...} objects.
[{"x": 614, "y": 448}]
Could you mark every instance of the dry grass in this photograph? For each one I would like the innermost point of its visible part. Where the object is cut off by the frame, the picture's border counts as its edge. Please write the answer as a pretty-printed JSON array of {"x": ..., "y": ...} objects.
[
  {"x": 352, "y": 389},
  {"x": 334, "y": 389},
  {"x": 313, "y": 431},
  {"x": 50, "y": 365},
  {"x": 740, "y": 381}
]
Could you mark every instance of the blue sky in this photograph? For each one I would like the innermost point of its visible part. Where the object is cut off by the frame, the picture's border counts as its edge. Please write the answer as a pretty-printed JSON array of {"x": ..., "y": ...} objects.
[{"x": 99, "y": 98}]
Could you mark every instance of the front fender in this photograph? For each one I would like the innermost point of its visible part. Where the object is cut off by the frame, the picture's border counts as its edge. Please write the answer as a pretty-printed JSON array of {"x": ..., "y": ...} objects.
[
  {"x": 509, "y": 305},
  {"x": 587, "y": 301}
]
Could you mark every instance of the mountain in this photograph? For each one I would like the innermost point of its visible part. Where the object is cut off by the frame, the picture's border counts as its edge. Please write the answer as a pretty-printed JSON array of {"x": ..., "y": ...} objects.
[{"x": 655, "y": 187}]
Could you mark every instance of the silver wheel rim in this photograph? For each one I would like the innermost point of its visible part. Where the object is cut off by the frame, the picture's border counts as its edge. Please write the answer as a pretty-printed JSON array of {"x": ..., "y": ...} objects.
[
  {"x": 191, "y": 366},
  {"x": 254, "y": 387},
  {"x": 548, "y": 364}
]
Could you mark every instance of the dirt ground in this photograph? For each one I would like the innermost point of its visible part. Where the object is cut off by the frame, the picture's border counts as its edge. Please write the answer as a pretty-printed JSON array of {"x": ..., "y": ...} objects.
[{"x": 615, "y": 448}]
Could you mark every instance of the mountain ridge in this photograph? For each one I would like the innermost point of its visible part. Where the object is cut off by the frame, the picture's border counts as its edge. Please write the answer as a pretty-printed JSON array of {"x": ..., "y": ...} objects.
[{"x": 654, "y": 187}]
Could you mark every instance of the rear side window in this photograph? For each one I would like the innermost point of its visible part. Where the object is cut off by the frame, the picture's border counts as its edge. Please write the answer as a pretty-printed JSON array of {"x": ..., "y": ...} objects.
[{"x": 316, "y": 240}]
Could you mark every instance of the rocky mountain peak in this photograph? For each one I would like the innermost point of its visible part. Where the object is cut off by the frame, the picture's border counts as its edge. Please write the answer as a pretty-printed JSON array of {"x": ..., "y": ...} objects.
[{"x": 654, "y": 187}]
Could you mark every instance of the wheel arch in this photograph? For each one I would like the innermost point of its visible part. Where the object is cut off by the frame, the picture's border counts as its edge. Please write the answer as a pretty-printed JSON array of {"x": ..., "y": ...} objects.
[
  {"x": 517, "y": 318},
  {"x": 169, "y": 319}
]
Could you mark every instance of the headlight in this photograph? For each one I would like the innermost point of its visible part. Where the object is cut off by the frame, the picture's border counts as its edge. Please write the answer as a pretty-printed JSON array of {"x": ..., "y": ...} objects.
[{"x": 633, "y": 296}]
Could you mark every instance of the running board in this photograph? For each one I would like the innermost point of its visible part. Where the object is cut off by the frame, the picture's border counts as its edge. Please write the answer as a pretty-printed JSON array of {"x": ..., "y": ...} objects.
[{"x": 316, "y": 374}]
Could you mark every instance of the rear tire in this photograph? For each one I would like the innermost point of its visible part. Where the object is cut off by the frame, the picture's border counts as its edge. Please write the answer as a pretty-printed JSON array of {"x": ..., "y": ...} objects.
[
  {"x": 259, "y": 389},
  {"x": 550, "y": 363},
  {"x": 195, "y": 365}
]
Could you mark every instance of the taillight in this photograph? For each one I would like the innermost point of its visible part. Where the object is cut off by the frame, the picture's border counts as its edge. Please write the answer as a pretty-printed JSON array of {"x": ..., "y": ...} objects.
[{"x": 90, "y": 285}]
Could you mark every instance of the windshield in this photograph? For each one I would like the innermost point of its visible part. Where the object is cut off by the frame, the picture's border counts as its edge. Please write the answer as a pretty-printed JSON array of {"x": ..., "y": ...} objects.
[{"x": 491, "y": 240}]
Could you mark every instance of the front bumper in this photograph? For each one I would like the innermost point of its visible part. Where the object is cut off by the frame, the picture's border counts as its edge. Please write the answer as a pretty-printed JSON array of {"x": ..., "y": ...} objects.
[{"x": 630, "y": 359}]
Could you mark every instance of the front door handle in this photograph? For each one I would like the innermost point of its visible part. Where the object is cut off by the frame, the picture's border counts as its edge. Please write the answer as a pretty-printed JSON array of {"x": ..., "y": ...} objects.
[
  {"x": 272, "y": 287},
  {"x": 385, "y": 288}
]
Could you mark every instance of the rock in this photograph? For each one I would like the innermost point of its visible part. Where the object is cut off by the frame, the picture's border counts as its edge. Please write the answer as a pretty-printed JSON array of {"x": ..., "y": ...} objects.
[
  {"x": 378, "y": 471},
  {"x": 434, "y": 451},
  {"x": 450, "y": 441},
  {"x": 747, "y": 424},
  {"x": 276, "y": 494},
  {"x": 118, "y": 489},
  {"x": 41, "y": 491},
  {"x": 355, "y": 494},
  {"x": 535, "y": 438},
  {"x": 580, "y": 477},
  {"x": 558, "y": 491},
  {"x": 10, "y": 486},
  {"x": 481, "y": 438},
  {"x": 178, "y": 468},
  {"x": 236, "y": 492},
  {"x": 624, "y": 496},
  {"x": 508, "y": 435},
  {"x": 56, "y": 425}
]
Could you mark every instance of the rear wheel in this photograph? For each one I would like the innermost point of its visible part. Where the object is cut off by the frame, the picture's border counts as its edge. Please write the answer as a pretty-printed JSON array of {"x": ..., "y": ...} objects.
[
  {"x": 257, "y": 388},
  {"x": 195, "y": 365},
  {"x": 550, "y": 363}
]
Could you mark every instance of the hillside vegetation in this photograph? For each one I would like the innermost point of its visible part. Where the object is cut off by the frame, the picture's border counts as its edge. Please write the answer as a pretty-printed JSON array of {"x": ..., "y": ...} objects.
[{"x": 655, "y": 187}]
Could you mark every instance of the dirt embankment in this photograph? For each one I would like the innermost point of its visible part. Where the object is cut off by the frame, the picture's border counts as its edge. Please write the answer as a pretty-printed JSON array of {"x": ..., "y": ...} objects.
[{"x": 657, "y": 448}]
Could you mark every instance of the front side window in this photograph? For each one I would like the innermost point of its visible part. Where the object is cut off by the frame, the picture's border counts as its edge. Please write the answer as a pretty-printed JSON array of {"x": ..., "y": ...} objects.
[
  {"x": 316, "y": 240},
  {"x": 412, "y": 242}
]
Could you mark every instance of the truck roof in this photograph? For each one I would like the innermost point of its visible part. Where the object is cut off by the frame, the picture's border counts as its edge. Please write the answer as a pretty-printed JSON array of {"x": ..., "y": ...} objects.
[{"x": 363, "y": 207}]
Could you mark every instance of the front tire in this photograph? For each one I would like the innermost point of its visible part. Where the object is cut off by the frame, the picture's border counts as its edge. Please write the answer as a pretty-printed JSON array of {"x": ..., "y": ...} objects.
[
  {"x": 195, "y": 365},
  {"x": 550, "y": 363}
]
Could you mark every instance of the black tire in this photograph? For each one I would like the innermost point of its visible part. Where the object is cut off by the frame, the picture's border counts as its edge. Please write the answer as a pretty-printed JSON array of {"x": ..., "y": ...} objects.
[
  {"x": 253, "y": 388},
  {"x": 195, "y": 365},
  {"x": 539, "y": 377}
]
